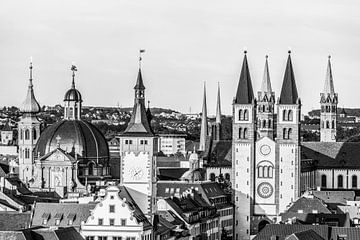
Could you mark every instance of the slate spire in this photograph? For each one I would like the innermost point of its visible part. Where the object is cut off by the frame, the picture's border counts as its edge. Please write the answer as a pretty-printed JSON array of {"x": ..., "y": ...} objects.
[
  {"x": 30, "y": 105},
  {"x": 204, "y": 124},
  {"x": 266, "y": 84},
  {"x": 329, "y": 83},
  {"x": 289, "y": 94},
  {"x": 244, "y": 94},
  {"x": 218, "y": 106}
]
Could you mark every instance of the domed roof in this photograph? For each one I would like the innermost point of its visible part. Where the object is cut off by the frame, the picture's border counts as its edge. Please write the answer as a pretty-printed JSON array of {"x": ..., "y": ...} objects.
[
  {"x": 73, "y": 95},
  {"x": 74, "y": 136},
  {"x": 192, "y": 176}
]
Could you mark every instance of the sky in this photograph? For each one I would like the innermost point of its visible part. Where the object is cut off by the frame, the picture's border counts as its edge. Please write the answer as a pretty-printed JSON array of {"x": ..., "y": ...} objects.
[{"x": 187, "y": 43}]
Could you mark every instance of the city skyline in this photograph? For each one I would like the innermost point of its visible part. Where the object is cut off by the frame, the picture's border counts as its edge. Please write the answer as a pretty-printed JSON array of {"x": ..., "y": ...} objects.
[{"x": 181, "y": 52}]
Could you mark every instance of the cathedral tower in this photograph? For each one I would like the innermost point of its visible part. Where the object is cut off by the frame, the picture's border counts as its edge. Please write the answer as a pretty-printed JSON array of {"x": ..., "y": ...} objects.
[
  {"x": 328, "y": 102},
  {"x": 216, "y": 126},
  {"x": 72, "y": 100},
  {"x": 288, "y": 140},
  {"x": 29, "y": 132},
  {"x": 266, "y": 102},
  {"x": 244, "y": 107},
  {"x": 138, "y": 144}
]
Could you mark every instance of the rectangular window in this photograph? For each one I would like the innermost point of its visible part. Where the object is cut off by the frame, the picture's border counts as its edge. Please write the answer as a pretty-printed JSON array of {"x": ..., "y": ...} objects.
[
  {"x": 70, "y": 222},
  {"x": 130, "y": 142},
  {"x": 116, "y": 238},
  {"x": 111, "y": 222},
  {"x": 126, "y": 141},
  {"x": 145, "y": 142},
  {"x": 141, "y": 142},
  {"x": 100, "y": 221},
  {"x": 90, "y": 238},
  {"x": 57, "y": 222},
  {"x": 112, "y": 208},
  {"x": 123, "y": 222},
  {"x": 102, "y": 237},
  {"x": 45, "y": 221}
]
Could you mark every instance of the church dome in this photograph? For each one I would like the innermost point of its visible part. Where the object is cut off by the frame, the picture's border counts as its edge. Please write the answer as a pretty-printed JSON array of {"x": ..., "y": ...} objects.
[
  {"x": 73, "y": 95},
  {"x": 78, "y": 137},
  {"x": 30, "y": 105},
  {"x": 192, "y": 176}
]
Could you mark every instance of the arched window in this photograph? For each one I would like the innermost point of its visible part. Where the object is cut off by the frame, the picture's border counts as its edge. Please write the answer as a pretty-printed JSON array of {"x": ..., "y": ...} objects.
[
  {"x": 269, "y": 124},
  {"x": 245, "y": 133},
  {"x": 322, "y": 124},
  {"x": 260, "y": 172},
  {"x": 340, "y": 181},
  {"x": 270, "y": 172},
  {"x": 265, "y": 172},
  {"x": 27, "y": 153},
  {"x": 91, "y": 168},
  {"x": 264, "y": 109},
  {"x": 21, "y": 135},
  {"x": 284, "y": 115},
  {"x": 284, "y": 133},
  {"x": 327, "y": 124},
  {"x": 212, "y": 177},
  {"x": 290, "y": 115},
  {"x": 354, "y": 181},
  {"x": 27, "y": 134},
  {"x": 333, "y": 124},
  {"x": 34, "y": 133},
  {"x": 246, "y": 115},
  {"x": 333, "y": 109},
  {"x": 240, "y": 115},
  {"x": 227, "y": 176},
  {"x": 71, "y": 112},
  {"x": 264, "y": 123},
  {"x": 289, "y": 133},
  {"x": 240, "y": 133},
  {"x": 323, "y": 181}
]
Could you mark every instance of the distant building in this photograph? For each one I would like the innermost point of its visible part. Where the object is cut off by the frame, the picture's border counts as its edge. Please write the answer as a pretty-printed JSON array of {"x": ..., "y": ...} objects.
[{"x": 172, "y": 143}]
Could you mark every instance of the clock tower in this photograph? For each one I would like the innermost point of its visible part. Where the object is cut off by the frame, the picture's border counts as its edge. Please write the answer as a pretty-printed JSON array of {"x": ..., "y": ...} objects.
[{"x": 138, "y": 144}]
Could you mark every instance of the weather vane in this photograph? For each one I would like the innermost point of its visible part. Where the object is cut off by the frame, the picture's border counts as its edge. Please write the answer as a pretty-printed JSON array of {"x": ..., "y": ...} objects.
[
  {"x": 140, "y": 56},
  {"x": 73, "y": 69}
]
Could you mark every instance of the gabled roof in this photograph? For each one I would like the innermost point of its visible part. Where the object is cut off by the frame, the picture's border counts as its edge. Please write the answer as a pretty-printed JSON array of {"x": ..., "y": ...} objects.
[
  {"x": 289, "y": 94},
  {"x": 308, "y": 205},
  {"x": 349, "y": 232},
  {"x": 305, "y": 235},
  {"x": 284, "y": 230},
  {"x": 244, "y": 94},
  {"x": 10, "y": 221},
  {"x": 132, "y": 198},
  {"x": 332, "y": 154},
  {"x": 50, "y": 210},
  {"x": 337, "y": 197}
]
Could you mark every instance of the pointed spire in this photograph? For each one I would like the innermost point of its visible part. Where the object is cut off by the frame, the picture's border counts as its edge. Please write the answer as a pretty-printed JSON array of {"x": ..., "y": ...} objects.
[
  {"x": 329, "y": 83},
  {"x": 289, "y": 94},
  {"x": 244, "y": 94},
  {"x": 139, "y": 82},
  {"x": 30, "y": 105},
  {"x": 204, "y": 123},
  {"x": 218, "y": 106},
  {"x": 266, "y": 84}
]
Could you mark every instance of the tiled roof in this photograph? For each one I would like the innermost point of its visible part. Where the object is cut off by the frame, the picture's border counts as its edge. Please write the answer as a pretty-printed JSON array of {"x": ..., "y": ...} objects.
[
  {"x": 331, "y": 219},
  {"x": 219, "y": 154},
  {"x": 332, "y": 154},
  {"x": 51, "y": 211},
  {"x": 305, "y": 235},
  {"x": 133, "y": 198},
  {"x": 308, "y": 205},
  {"x": 12, "y": 235},
  {"x": 338, "y": 197},
  {"x": 284, "y": 230},
  {"x": 10, "y": 221},
  {"x": 351, "y": 233}
]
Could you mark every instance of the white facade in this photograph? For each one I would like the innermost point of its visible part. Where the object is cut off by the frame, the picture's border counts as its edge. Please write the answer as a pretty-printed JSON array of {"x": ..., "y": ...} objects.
[
  {"x": 172, "y": 143},
  {"x": 114, "y": 219}
]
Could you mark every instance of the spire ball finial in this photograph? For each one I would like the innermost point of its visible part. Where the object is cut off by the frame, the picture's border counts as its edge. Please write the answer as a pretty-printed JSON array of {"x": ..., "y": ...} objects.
[
  {"x": 289, "y": 50},
  {"x": 329, "y": 56},
  {"x": 266, "y": 56},
  {"x": 245, "y": 50}
]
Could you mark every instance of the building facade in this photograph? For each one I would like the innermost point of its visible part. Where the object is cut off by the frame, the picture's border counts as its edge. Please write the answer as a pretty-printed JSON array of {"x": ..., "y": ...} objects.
[{"x": 265, "y": 156}]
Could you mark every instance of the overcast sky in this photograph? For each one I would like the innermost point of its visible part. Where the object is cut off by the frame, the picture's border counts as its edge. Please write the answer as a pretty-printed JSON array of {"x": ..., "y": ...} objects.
[{"x": 187, "y": 42}]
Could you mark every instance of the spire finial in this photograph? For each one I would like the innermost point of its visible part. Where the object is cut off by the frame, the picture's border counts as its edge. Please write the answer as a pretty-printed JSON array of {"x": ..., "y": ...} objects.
[
  {"x": 140, "y": 56},
  {"x": 289, "y": 50},
  {"x": 73, "y": 69},
  {"x": 148, "y": 104},
  {"x": 266, "y": 56},
  {"x": 31, "y": 77},
  {"x": 329, "y": 56}
]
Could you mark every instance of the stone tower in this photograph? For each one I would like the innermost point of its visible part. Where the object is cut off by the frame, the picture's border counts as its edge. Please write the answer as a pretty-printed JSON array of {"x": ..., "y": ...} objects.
[
  {"x": 29, "y": 133},
  {"x": 328, "y": 102}
]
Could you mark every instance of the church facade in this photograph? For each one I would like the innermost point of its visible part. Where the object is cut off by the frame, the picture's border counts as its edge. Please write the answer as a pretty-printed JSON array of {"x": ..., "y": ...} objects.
[{"x": 265, "y": 150}]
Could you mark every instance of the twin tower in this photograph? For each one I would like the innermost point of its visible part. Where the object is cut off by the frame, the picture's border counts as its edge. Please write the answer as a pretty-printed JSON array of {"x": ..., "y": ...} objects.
[{"x": 266, "y": 147}]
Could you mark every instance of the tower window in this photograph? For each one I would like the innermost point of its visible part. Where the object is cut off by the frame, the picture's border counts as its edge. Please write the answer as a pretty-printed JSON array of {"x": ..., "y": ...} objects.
[
  {"x": 27, "y": 153},
  {"x": 340, "y": 181},
  {"x": 27, "y": 134},
  {"x": 245, "y": 133},
  {"x": 269, "y": 124},
  {"x": 327, "y": 124},
  {"x": 289, "y": 133},
  {"x": 284, "y": 133},
  {"x": 354, "y": 181},
  {"x": 246, "y": 115},
  {"x": 264, "y": 123},
  {"x": 34, "y": 134},
  {"x": 240, "y": 115},
  {"x": 290, "y": 116},
  {"x": 240, "y": 132},
  {"x": 333, "y": 124},
  {"x": 284, "y": 115}
]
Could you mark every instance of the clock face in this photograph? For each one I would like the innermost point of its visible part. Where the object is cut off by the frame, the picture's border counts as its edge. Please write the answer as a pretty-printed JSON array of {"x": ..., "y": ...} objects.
[
  {"x": 265, "y": 150},
  {"x": 136, "y": 173},
  {"x": 265, "y": 190}
]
